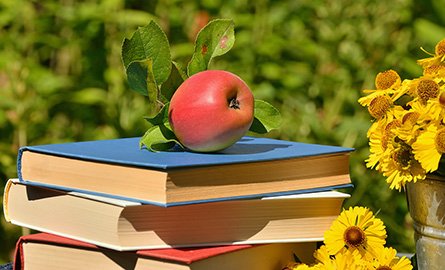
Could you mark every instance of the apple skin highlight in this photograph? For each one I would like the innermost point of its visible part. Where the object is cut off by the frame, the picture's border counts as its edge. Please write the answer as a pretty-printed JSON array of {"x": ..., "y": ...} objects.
[{"x": 211, "y": 110}]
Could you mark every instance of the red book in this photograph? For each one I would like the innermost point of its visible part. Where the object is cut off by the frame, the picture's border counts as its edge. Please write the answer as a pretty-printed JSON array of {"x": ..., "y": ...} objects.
[{"x": 47, "y": 251}]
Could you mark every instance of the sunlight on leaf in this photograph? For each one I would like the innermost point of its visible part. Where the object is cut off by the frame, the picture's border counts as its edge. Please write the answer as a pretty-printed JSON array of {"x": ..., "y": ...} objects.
[
  {"x": 159, "y": 138},
  {"x": 267, "y": 117},
  {"x": 148, "y": 43}
]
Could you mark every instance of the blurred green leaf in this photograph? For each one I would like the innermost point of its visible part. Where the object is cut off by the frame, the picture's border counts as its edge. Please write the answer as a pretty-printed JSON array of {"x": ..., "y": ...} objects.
[
  {"x": 439, "y": 8},
  {"x": 130, "y": 17},
  {"x": 90, "y": 96},
  {"x": 215, "y": 39},
  {"x": 428, "y": 31}
]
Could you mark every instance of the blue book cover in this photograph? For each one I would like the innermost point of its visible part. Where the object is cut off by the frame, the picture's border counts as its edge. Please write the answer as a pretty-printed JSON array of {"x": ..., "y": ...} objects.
[{"x": 126, "y": 152}]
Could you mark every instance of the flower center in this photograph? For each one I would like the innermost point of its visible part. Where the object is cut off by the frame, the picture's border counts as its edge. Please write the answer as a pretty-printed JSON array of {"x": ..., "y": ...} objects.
[
  {"x": 387, "y": 79},
  {"x": 379, "y": 106},
  {"x": 410, "y": 117},
  {"x": 403, "y": 155},
  {"x": 427, "y": 89},
  {"x": 354, "y": 236},
  {"x": 440, "y": 48},
  {"x": 440, "y": 140},
  {"x": 384, "y": 267},
  {"x": 434, "y": 69}
]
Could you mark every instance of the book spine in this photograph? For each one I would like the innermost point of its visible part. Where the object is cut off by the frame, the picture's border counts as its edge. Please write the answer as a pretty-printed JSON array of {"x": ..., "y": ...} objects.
[
  {"x": 6, "y": 200},
  {"x": 19, "y": 163},
  {"x": 19, "y": 263}
]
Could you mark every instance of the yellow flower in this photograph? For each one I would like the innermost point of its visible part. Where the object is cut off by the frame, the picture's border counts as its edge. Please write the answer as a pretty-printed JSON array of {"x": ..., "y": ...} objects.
[
  {"x": 348, "y": 260},
  {"x": 387, "y": 260},
  {"x": 383, "y": 115},
  {"x": 403, "y": 142},
  {"x": 343, "y": 262},
  {"x": 437, "y": 70},
  {"x": 429, "y": 147},
  {"x": 355, "y": 229},
  {"x": 411, "y": 126},
  {"x": 388, "y": 79},
  {"x": 380, "y": 143},
  {"x": 440, "y": 49},
  {"x": 386, "y": 82},
  {"x": 437, "y": 58},
  {"x": 408, "y": 87},
  {"x": 322, "y": 255},
  {"x": 435, "y": 108},
  {"x": 401, "y": 167},
  {"x": 379, "y": 106},
  {"x": 427, "y": 89},
  {"x": 302, "y": 267},
  {"x": 423, "y": 89}
]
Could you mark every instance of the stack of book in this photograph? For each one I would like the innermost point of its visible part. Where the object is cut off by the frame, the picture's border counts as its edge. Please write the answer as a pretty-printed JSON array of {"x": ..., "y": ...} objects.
[{"x": 109, "y": 204}]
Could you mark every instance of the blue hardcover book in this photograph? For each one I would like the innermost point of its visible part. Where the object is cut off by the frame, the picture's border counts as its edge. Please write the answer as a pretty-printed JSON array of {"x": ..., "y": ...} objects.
[{"x": 251, "y": 168}]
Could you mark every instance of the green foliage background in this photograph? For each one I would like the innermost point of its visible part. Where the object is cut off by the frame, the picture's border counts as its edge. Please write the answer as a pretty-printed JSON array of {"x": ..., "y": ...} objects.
[{"x": 61, "y": 76}]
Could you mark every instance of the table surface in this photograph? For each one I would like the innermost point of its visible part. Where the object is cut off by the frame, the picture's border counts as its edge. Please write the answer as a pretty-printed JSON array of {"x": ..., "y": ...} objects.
[{"x": 8, "y": 266}]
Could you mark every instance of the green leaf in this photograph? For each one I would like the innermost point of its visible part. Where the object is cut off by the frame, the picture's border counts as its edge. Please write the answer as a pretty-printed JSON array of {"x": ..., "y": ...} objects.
[
  {"x": 266, "y": 117},
  {"x": 159, "y": 138},
  {"x": 176, "y": 78},
  {"x": 148, "y": 43},
  {"x": 161, "y": 118},
  {"x": 215, "y": 39},
  {"x": 141, "y": 78}
]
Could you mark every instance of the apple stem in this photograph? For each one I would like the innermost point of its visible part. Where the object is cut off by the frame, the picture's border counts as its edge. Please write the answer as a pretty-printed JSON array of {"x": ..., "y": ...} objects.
[{"x": 234, "y": 104}]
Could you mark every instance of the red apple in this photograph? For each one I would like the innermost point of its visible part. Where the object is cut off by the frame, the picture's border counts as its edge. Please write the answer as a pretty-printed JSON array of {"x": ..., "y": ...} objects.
[{"x": 211, "y": 110}]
